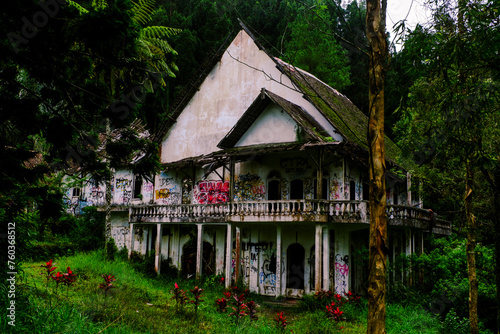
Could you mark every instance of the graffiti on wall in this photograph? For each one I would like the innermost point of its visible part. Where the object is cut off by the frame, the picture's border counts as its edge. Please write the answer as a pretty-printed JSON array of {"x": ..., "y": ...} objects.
[
  {"x": 388, "y": 194},
  {"x": 341, "y": 273},
  {"x": 359, "y": 191},
  {"x": 119, "y": 234},
  {"x": 123, "y": 190},
  {"x": 249, "y": 187},
  {"x": 211, "y": 192},
  {"x": 335, "y": 189},
  {"x": 267, "y": 275},
  {"x": 284, "y": 189},
  {"x": 147, "y": 192},
  {"x": 296, "y": 167},
  {"x": 168, "y": 192},
  {"x": 168, "y": 196}
]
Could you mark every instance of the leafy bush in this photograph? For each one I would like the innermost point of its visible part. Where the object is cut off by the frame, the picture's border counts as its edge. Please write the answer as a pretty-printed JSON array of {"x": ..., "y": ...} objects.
[
  {"x": 88, "y": 231},
  {"x": 111, "y": 249}
]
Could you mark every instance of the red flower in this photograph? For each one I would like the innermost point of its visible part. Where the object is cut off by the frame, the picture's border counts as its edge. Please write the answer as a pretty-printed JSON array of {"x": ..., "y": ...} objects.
[{"x": 176, "y": 286}]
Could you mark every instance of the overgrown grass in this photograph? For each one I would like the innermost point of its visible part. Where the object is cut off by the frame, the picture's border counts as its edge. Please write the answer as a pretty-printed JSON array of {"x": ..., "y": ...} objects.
[{"x": 140, "y": 304}]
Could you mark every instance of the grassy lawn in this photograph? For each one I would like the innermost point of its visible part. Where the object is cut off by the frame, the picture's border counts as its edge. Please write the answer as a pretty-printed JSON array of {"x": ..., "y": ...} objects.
[{"x": 143, "y": 305}]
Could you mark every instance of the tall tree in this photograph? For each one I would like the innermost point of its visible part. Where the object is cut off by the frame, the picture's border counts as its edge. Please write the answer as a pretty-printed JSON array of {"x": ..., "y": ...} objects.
[
  {"x": 454, "y": 108},
  {"x": 378, "y": 52}
]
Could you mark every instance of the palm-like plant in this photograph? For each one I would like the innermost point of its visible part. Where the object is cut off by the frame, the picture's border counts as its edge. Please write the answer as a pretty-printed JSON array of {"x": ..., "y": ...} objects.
[{"x": 154, "y": 48}]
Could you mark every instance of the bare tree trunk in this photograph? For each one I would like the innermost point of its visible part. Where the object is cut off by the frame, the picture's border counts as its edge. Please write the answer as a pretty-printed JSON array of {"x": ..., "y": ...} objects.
[
  {"x": 375, "y": 31},
  {"x": 470, "y": 248}
]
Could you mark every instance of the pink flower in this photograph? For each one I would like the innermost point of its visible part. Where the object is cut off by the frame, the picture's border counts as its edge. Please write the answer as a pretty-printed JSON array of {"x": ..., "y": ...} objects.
[{"x": 176, "y": 286}]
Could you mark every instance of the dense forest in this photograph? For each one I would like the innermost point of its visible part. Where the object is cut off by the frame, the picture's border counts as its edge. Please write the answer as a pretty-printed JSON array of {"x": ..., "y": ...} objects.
[{"x": 73, "y": 70}]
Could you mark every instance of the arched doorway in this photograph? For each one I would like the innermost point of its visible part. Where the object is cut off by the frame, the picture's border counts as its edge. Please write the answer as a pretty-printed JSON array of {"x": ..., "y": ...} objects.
[
  {"x": 188, "y": 260},
  {"x": 295, "y": 267}
]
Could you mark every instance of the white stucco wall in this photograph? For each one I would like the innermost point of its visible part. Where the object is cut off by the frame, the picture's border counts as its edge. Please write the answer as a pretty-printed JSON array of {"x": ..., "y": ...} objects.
[
  {"x": 224, "y": 96},
  {"x": 273, "y": 126}
]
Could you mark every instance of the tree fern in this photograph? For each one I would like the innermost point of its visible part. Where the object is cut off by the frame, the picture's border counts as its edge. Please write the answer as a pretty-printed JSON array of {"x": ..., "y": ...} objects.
[
  {"x": 142, "y": 11},
  {"x": 77, "y": 6},
  {"x": 99, "y": 4}
]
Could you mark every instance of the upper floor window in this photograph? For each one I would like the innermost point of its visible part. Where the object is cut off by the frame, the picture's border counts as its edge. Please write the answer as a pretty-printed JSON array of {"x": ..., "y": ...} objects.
[
  {"x": 274, "y": 186},
  {"x": 77, "y": 192},
  {"x": 137, "y": 186},
  {"x": 297, "y": 189},
  {"x": 352, "y": 190}
]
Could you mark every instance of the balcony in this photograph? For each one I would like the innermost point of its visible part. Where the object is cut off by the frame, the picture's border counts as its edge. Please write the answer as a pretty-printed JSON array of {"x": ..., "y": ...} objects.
[{"x": 321, "y": 211}]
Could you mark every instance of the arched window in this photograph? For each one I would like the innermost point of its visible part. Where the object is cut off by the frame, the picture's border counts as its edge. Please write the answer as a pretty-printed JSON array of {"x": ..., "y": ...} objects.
[
  {"x": 297, "y": 189},
  {"x": 274, "y": 186}
]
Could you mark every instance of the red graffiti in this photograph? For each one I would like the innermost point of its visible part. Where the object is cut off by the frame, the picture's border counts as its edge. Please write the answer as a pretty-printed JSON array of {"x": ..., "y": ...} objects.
[{"x": 211, "y": 192}]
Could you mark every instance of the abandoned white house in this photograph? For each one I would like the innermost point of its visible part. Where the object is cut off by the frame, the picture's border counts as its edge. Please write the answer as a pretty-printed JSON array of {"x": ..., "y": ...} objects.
[{"x": 264, "y": 178}]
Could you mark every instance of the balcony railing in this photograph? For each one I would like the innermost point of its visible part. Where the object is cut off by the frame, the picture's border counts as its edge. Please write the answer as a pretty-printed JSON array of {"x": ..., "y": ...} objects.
[{"x": 286, "y": 210}]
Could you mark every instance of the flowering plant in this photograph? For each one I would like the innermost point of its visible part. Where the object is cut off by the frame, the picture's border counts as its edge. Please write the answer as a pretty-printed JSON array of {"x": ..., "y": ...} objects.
[
  {"x": 196, "y": 298},
  {"x": 108, "y": 283},
  {"x": 280, "y": 320}
]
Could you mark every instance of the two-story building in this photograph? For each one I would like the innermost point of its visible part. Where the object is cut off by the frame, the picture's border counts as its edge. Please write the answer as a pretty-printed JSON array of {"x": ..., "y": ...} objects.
[{"x": 265, "y": 179}]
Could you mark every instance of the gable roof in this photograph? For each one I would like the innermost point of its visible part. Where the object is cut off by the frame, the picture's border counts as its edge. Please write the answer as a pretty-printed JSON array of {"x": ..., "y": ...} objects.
[
  {"x": 344, "y": 115},
  {"x": 336, "y": 108},
  {"x": 265, "y": 98}
]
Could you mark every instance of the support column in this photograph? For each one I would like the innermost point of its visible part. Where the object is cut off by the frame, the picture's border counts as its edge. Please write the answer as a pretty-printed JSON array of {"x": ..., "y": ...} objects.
[
  {"x": 408, "y": 249},
  {"x": 132, "y": 239},
  {"x": 317, "y": 258},
  {"x": 326, "y": 259},
  {"x": 199, "y": 251},
  {"x": 237, "y": 260},
  {"x": 278, "y": 260},
  {"x": 158, "y": 249},
  {"x": 408, "y": 187},
  {"x": 175, "y": 248},
  {"x": 229, "y": 244},
  {"x": 342, "y": 258}
]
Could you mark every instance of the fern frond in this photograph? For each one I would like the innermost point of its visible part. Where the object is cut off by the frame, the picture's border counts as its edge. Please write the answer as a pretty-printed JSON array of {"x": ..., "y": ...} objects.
[
  {"x": 159, "y": 32},
  {"x": 161, "y": 44},
  {"x": 142, "y": 11},
  {"x": 81, "y": 10},
  {"x": 99, "y": 4}
]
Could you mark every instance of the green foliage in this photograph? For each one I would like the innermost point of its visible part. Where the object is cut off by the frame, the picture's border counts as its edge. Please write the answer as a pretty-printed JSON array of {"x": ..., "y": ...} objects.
[
  {"x": 313, "y": 48},
  {"x": 88, "y": 230},
  {"x": 110, "y": 249}
]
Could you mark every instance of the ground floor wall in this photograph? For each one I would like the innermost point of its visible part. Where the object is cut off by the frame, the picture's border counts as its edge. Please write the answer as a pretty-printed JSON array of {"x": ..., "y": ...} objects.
[{"x": 290, "y": 259}]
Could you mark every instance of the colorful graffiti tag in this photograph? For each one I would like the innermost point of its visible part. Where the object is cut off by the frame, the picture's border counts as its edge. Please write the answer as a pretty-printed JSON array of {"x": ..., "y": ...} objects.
[
  {"x": 341, "y": 274},
  {"x": 211, "y": 192},
  {"x": 249, "y": 187},
  {"x": 334, "y": 189}
]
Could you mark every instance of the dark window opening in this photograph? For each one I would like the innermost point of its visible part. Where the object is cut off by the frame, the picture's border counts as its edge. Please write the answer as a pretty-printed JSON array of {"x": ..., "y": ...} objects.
[
  {"x": 352, "y": 190},
  {"x": 273, "y": 190},
  {"x": 324, "y": 189},
  {"x": 137, "y": 186},
  {"x": 297, "y": 189},
  {"x": 366, "y": 192},
  {"x": 395, "y": 197}
]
